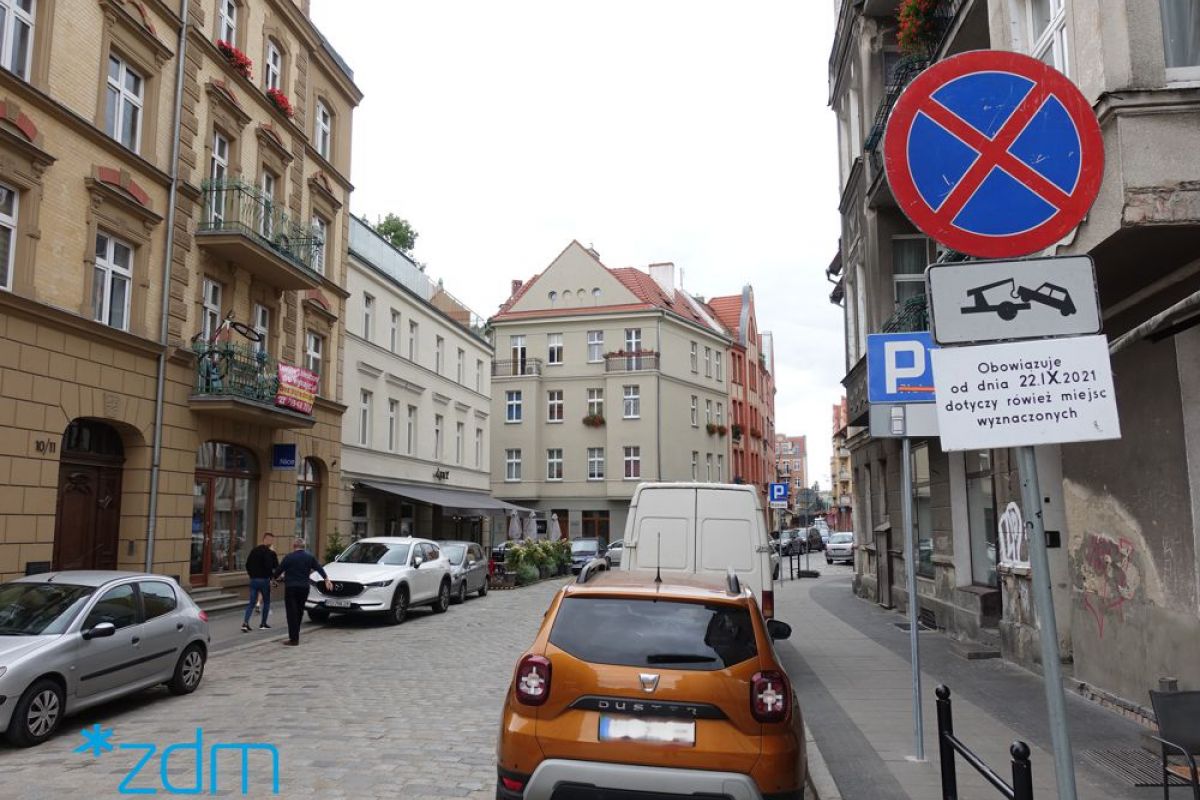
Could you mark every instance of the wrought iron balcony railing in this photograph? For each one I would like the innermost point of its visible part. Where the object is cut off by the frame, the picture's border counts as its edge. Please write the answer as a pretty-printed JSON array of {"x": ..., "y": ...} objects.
[
  {"x": 225, "y": 369},
  {"x": 516, "y": 367},
  {"x": 639, "y": 361},
  {"x": 911, "y": 317},
  {"x": 233, "y": 206}
]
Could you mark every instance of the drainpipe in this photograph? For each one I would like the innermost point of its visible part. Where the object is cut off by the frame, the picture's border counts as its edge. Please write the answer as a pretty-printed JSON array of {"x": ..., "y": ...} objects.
[
  {"x": 172, "y": 205},
  {"x": 658, "y": 453}
]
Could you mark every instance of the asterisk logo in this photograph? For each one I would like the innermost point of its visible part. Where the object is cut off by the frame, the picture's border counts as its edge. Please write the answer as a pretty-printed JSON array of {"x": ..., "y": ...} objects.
[{"x": 96, "y": 740}]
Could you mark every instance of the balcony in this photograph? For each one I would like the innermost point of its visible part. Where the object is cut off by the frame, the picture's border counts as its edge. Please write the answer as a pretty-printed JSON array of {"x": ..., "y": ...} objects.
[
  {"x": 241, "y": 225},
  {"x": 239, "y": 384},
  {"x": 911, "y": 317},
  {"x": 855, "y": 383},
  {"x": 633, "y": 361},
  {"x": 516, "y": 367}
]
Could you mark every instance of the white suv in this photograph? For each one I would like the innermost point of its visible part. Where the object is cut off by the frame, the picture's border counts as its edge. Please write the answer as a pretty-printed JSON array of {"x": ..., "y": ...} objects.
[{"x": 387, "y": 575}]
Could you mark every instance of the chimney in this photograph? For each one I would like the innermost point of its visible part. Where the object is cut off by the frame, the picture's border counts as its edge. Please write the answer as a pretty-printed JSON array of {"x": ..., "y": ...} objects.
[
  {"x": 663, "y": 274},
  {"x": 516, "y": 286}
]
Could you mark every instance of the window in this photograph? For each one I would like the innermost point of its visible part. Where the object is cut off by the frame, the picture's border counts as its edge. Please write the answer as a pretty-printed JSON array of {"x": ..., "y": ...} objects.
[
  {"x": 633, "y": 402},
  {"x": 272, "y": 67},
  {"x": 413, "y": 331},
  {"x": 708, "y": 417},
  {"x": 478, "y": 447},
  {"x": 695, "y": 464},
  {"x": 117, "y": 606},
  {"x": 695, "y": 411},
  {"x": 16, "y": 30},
  {"x": 595, "y": 463},
  {"x": 981, "y": 517},
  {"x": 324, "y": 132},
  {"x": 393, "y": 420},
  {"x": 314, "y": 345},
  {"x": 158, "y": 598},
  {"x": 321, "y": 234},
  {"x": 708, "y": 362},
  {"x": 512, "y": 464},
  {"x": 554, "y": 348},
  {"x": 720, "y": 413},
  {"x": 554, "y": 405},
  {"x": 411, "y": 431},
  {"x": 516, "y": 347},
  {"x": 267, "y": 187},
  {"x": 210, "y": 304},
  {"x": 708, "y": 465},
  {"x": 218, "y": 171},
  {"x": 922, "y": 509},
  {"x": 394, "y": 331},
  {"x": 227, "y": 21},
  {"x": 437, "y": 436},
  {"x": 368, "y": 317},
  {"x": 262, "y": 326},
  {"x": 308, "y": 490},
  {"x": 595, "y": 402},
  {"x": 595, "y": 525},
  {"x": 633, "y": 345},
  {"x": 595, "y": 341},
  {"x": 554, "y": 464},
  {"x": 1048, "y": 32},
  {"x": 633, "y": 463},
  {"x": 439, "y": 354},
  {"x": 720, "y": 468},
  {"x": 512, "y": 406},
  {"x": 695, "y": 358},
  {"x": 111, "y": 281},
  {"x": 123, "y": 102},
  {"x": 910, "y": 257},
  {"x": 459, "y": 370},
  {"x": 720, "y": 369},
  {"x": 1181, "y": 38},
  {"x": 8, "y": 233},
  {"x": 459, "y": 431},
  {"x": 364, "y": 418}
]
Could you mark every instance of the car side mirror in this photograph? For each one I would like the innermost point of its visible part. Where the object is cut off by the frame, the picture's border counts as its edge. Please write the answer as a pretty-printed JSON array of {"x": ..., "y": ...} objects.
[
  {"x": 777, "y": 630},
  {"x": 418, "y": 561},
  {"x": 100, "y": 630}
]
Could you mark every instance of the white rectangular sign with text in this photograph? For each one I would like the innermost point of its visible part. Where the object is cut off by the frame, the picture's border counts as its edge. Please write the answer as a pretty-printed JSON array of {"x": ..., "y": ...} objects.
[{"x": 1025, "y": 393}]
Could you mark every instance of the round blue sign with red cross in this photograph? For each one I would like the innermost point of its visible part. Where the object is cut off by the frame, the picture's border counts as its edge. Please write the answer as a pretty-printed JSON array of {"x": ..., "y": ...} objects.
[{"x": 993, "y": 154}]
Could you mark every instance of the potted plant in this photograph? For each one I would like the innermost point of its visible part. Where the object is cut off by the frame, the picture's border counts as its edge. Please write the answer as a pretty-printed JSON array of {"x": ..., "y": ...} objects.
[
  {"x": 240, "y": 62},
  {"x": 545, "y": 558},
  {"x": 562, "y": 552},
  {"x": 722, "y": 430},
  {"x": 334, "y": 546},
  {"x": 736, "y": 430},
  {"x": 711, "y": 428},
  {"x": 917, "y": 31},
  {"x": 594, "y": 420},
  {"x": 281, "y": 102}
]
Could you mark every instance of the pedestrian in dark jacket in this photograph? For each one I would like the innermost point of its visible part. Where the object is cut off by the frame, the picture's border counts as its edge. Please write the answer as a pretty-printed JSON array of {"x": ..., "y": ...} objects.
[
  {"x": 260, "y": 565},
  {"x": 295, "y": 569}
]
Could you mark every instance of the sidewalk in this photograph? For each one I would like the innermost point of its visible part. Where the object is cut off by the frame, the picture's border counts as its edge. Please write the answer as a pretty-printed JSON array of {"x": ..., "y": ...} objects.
[{"x": 850, "y": 667}]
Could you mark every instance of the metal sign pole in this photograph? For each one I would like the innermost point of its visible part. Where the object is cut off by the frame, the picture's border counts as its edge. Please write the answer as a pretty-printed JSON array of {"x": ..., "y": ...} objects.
[
  {"x": 1039, "y": 562},
  {"x": 910, "y": 568}
]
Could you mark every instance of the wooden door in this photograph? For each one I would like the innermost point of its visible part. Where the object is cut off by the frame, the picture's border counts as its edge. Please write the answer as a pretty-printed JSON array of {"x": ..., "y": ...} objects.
[{"x": 87, "y": 523}]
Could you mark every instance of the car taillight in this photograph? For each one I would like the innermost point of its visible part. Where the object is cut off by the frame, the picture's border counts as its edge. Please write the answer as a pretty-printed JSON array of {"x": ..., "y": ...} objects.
[
  {"x": 768, "y": 603},
  {"x": 533, "y": 680},
  {"x": 512, "y": 784},
  {"x": 770, "y": 696},
  {"x": 204, "y": 616}
]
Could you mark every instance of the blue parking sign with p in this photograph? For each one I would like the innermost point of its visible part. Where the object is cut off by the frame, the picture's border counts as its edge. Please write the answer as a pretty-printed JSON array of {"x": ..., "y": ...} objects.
[
  {"x": 777, "y": 492},
  {"x": 899, "y": 369}
]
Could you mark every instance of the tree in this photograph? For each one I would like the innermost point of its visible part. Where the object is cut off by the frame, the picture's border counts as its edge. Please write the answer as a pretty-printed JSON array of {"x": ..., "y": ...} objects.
[{"x": 398, "y": 232}]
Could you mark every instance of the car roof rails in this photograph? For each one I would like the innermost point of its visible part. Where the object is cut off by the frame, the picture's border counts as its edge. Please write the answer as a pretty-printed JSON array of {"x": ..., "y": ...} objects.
[
  {"x": 589, "y": 569},
  {"x": 731, "y": 581}
]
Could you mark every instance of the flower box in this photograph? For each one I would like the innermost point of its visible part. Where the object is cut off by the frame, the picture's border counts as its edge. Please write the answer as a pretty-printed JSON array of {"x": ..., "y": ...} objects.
[
  {"x": 918, "y": 29},
  {"x": 594, "y": 420},
  {"x": 281, "y": 102},
  {"x": 722, "y": 430},
  {"x": 711, "y": 428},
  {"x": 240, "y": 62}
]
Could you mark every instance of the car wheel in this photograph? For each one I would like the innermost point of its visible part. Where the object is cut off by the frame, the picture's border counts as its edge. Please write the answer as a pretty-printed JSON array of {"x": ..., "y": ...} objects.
[
  {"x": 461, "y": 596},
  {"x": 37, "y": 715},
  {"x": 443, "y": 599},
  {"x": 188, "y": 671},
  {"x": 318, "y": 615},
  {"x": 483, "y": 587},
  {"x": 828, "y": 560},
  {"x": 399, "y": 609}
]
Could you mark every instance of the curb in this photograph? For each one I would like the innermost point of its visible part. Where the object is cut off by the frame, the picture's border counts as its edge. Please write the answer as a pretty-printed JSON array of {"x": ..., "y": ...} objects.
[{"x": 820, "y": 784}]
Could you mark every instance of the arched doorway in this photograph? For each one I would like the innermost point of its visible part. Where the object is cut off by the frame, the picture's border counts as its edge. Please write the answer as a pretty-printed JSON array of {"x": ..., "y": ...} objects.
[
  {"x": 88, "y": 515},
  {"x": 223, "y": 516},
  {"x": 308, "y": 501}
]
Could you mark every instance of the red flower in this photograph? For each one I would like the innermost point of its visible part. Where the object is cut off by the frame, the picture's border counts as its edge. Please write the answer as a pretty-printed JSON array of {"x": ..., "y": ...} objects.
[
  {"x": 916, "y": 24},
  {"x": 240, "y": 62},
  {"x": 281, "y": 102}
]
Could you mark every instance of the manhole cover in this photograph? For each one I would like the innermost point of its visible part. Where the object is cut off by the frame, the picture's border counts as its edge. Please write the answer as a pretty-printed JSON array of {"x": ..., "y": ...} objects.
[{"x": 1134, "y": 767}]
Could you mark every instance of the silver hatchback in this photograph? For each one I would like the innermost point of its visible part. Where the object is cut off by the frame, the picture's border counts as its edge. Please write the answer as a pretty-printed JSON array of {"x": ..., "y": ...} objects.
[{"x": 71, "y": 640}]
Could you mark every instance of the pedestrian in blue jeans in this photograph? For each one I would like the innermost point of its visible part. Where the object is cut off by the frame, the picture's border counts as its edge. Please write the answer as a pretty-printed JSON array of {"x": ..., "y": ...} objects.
[{"x": 260, "y": 565}]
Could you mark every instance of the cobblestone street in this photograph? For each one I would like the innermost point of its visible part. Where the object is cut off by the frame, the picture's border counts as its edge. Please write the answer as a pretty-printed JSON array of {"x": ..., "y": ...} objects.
[{"x": 360, "y": 710}]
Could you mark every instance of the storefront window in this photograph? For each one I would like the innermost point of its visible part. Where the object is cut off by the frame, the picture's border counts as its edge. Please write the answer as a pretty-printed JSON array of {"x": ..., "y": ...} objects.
[
  {"x": 308, "y": 490},
  {"x": 922, "y": 510},
  {"x": 981, "y": 515},
  {"x": 358, "y": 519},
  {"x": 223, "y": 511}
]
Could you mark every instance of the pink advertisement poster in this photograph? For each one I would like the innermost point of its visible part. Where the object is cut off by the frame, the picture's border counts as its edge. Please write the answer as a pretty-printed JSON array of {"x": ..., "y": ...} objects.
[{"x": 297, "y": 388}]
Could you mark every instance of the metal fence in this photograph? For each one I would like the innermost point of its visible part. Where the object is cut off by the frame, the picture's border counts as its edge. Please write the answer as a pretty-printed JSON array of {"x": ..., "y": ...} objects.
[
  {"x": 234, "y": 370},
  {"x": 949, "y": 745},
  {"x": 515, "y": 367},
  {"x": 233, "y": 206},
  {"x": 630, "y": 362}
]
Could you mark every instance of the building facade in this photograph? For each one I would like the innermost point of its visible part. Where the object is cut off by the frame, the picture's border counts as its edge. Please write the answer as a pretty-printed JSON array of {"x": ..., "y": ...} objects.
[
  {"x": 791, "y": 467},
  {"x": 145, "y": 204},
  {"x": 1121, "y": 516},
  {"x": 604, "y": 378},
  {"x": 416, "y": 443},
  {"x": 841, "y": 507}
]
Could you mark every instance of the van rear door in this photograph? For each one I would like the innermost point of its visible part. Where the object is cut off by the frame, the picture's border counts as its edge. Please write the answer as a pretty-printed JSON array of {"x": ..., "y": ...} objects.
[
  {"x": 729, "y": 537},
  {"x": 664, "y": 531}
]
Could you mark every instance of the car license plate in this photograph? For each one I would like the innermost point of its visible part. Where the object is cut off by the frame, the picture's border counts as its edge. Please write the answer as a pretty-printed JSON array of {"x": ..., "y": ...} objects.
[
  {"x": 632, "y": 729},
  {"x": 337, "y": 603}
]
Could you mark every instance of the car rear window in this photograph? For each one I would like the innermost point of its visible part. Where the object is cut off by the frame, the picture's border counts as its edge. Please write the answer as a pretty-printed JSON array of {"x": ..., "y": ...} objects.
[
  {"x": 841, "y": 538},
  {"x": 654, "y": 633}
]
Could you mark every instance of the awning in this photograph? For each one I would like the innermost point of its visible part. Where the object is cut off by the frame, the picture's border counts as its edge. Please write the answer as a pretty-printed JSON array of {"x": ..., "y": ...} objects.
[{"x": 447, "y": 498}]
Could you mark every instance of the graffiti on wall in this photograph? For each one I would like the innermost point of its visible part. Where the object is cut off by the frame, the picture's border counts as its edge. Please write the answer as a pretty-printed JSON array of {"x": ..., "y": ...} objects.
[
  {"x": 1110, "y": 577},
  {"x": 1014, "y": 538}
]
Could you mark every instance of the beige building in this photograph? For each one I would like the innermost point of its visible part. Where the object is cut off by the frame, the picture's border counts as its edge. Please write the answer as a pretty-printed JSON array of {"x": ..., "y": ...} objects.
[
  {"x": 133, "y": 432},
  {"x": 604, "y": 378},
  {"x": 416, "y": 440}
]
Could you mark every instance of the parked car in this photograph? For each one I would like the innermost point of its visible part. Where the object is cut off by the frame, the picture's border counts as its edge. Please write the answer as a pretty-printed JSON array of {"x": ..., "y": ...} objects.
[
  {"x": 468, "y": 569},
  {"x": 840, "y": 548},
  {"x": 584, "y": 550},
  {"x": 791, "y": 541},
  {"x": 71, "y": 640},
  {"x": 703, "y": 528},
  {"x": 383, "y": 575},
  {"x": 614, "y": 551},
  {"x": 815, "y": 541},
  {"x": 638, "y": 689}
]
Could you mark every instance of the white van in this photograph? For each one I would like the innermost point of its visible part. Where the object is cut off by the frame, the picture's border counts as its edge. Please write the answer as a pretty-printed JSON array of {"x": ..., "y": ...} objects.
[{"x": 701, "y": 528}]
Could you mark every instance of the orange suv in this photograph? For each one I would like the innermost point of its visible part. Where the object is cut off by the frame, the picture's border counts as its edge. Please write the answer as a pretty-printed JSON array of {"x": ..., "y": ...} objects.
[{"x": 643, "y": 690}]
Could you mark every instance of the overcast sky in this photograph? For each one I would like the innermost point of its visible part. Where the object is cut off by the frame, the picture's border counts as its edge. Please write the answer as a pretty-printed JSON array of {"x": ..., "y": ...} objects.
[{"x": 655, "y": 130}]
